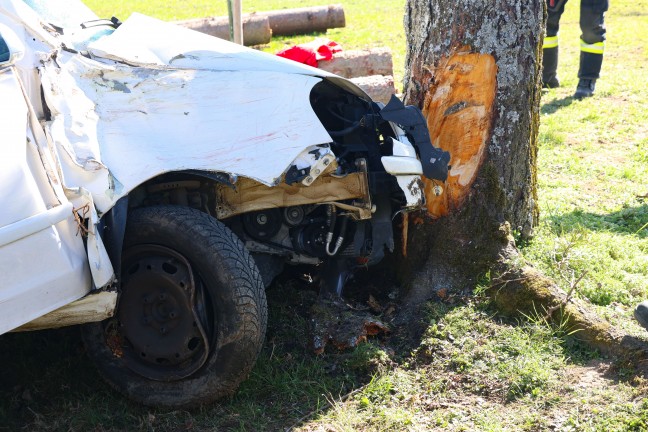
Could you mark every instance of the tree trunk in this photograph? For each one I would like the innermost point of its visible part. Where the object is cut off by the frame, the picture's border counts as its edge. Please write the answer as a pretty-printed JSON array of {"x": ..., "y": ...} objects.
[{"x": 474, "y": 69}]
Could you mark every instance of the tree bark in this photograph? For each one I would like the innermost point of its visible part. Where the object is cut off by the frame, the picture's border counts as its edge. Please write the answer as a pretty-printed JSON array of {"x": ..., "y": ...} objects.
[{"x": 473, "y": 68}]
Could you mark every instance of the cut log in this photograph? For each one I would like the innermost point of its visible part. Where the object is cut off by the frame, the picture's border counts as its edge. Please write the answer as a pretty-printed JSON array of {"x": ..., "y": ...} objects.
[
  {"x": 380, "y": 88},
  {"x": 286, "y": 22},
  {"x": 360, "y": 63},
  {"x": 256, "y": 28}
]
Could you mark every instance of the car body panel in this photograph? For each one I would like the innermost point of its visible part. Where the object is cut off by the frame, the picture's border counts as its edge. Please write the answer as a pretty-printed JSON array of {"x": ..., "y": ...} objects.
[
  {"x": 117, "y": 126},
  {"x": 44, "y": 265}
]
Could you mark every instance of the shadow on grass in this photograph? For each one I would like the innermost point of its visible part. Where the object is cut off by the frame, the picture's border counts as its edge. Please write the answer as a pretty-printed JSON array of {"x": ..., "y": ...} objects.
[
  {"x": 553, "y": 106},
  {"x": 628, "y": 221},
  {"x": 48, "y": 383}
]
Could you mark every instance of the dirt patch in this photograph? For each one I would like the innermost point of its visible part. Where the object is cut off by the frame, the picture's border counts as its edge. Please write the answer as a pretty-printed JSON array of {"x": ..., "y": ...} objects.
[{"x": 595, "y": 374}]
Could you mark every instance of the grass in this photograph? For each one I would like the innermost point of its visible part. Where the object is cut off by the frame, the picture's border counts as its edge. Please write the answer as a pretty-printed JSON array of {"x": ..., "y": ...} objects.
[{"x": 469, "y": 370}]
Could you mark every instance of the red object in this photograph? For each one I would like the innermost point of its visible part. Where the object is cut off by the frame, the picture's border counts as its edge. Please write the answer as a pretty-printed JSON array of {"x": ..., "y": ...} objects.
[{"x": 311, "y": 52}]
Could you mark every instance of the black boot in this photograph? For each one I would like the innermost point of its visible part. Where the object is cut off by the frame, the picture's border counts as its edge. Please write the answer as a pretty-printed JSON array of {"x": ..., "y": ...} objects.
[
  {"x": 549, "y": 68},
  {"x": 588, "y": 73},
  {"x": 641, "y": 314},
  {"x": 585, "y": 88}
]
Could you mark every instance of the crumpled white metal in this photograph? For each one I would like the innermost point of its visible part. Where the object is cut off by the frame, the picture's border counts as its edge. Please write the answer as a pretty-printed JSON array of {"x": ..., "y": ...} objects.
[{"x": 116, "y": 125}]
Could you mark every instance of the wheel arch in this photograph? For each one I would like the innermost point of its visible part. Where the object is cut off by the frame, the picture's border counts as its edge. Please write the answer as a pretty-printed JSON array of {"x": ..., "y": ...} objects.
[{"x": 112, "y": 224}]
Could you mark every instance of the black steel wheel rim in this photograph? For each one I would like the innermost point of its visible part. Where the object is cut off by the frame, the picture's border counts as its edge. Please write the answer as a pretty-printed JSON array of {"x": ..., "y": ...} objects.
[{"x": 163, "y": 326}]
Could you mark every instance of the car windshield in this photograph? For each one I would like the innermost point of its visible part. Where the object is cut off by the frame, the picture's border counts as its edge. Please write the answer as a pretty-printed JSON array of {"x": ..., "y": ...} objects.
[{"x": 68, "y": 15}]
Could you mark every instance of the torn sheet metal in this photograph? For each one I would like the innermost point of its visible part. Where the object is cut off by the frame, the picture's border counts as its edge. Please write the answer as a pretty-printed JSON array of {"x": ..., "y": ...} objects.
[
  {"x": 100, "y": 266},
  {"x": 252, "y": 196}
]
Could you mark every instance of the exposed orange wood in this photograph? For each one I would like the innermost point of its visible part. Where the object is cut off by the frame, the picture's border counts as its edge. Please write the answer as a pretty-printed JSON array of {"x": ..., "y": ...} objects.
[
  {"x": 459, "y": 109},
  {"x": 404, "y": 233}
]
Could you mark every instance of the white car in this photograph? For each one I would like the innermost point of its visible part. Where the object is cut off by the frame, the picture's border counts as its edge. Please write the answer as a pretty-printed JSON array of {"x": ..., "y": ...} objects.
[{"x": 156, "y": 179}]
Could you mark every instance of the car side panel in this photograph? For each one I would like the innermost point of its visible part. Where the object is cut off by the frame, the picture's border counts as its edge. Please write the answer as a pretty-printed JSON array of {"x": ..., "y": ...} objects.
[{"x": 42, "y": 261}]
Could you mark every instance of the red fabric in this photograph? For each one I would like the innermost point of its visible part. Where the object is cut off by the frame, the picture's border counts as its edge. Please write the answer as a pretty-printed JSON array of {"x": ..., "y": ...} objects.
[{"x": 311, "y": 52}]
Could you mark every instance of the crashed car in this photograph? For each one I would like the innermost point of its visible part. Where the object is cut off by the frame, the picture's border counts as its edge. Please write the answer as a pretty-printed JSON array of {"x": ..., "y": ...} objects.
[{"x": 156, "y": 179}]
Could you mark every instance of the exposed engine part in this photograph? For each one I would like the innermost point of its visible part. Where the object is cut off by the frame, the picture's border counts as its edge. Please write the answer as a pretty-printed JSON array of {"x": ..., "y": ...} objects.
[
  {"x": 294, "y": 215},
  {"x": 434, "y": 160},
  {"x": 293, "y": 258},
  {"x": 318, "y": 168},
  {"x": 331, "y": 217},
  {"x": 262, "y": 225},
  {"x": 310, "y": 239},
  {"x": 361, "y": 245}
]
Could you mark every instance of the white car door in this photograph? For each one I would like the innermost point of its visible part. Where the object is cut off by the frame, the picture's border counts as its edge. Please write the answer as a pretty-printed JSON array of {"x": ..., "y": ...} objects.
[{"x": 43, "y": 263}]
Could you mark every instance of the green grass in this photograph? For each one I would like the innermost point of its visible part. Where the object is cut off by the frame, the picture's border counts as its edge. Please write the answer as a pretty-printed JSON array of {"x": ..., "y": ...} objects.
[
  {"x": 593, "y": 171},
  {"x": 468, "y": 370}
]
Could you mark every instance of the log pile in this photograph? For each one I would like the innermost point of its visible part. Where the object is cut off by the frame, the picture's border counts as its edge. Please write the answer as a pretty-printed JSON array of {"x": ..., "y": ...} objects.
[
  {"x": 370, "y": 69},
  {"x": 287, "y": 22},
  {"x": 256, "y": 28},
  {"x": 379, "y": 87},
  {"x": 357, "y": 63}
]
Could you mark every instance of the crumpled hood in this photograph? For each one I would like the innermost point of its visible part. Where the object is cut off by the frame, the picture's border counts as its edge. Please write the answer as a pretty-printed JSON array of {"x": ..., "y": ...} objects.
[
  {"x": 146, "y": 41},
  {"x": 176, "y": 100}
]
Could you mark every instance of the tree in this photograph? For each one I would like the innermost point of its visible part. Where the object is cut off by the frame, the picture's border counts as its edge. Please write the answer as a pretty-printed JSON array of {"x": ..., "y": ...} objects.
[{"x": 473, "y": 67}]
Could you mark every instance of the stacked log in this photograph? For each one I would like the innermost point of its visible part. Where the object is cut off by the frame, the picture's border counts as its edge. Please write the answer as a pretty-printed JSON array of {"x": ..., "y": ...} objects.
[
  {"x": 369, "y": 69},
  {"x": 259, "y": 27},
  {"x": 286, "y": 22},
  {"x": 380, "y": 88},
  {"x": 357, "y": 63},
  {"x": 256, "y": 28}
]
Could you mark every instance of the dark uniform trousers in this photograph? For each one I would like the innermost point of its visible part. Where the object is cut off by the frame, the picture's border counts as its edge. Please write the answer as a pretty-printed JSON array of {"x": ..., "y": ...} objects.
[{"x": 593, "y": 35}]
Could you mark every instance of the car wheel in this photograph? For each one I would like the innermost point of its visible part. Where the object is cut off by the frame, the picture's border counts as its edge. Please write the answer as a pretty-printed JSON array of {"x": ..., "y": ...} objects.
[{"x": 192, "y": 312}]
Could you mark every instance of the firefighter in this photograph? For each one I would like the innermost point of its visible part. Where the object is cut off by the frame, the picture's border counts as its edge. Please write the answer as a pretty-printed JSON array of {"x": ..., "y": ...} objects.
[{"x": 592, "y": 43}]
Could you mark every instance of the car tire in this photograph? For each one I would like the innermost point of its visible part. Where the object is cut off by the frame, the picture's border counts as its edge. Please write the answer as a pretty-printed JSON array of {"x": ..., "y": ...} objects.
[{"x": 191, "y": 315}]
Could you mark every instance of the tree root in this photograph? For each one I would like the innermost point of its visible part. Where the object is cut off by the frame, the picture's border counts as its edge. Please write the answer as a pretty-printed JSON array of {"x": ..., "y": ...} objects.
[{"x": 521, "y": 290}]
